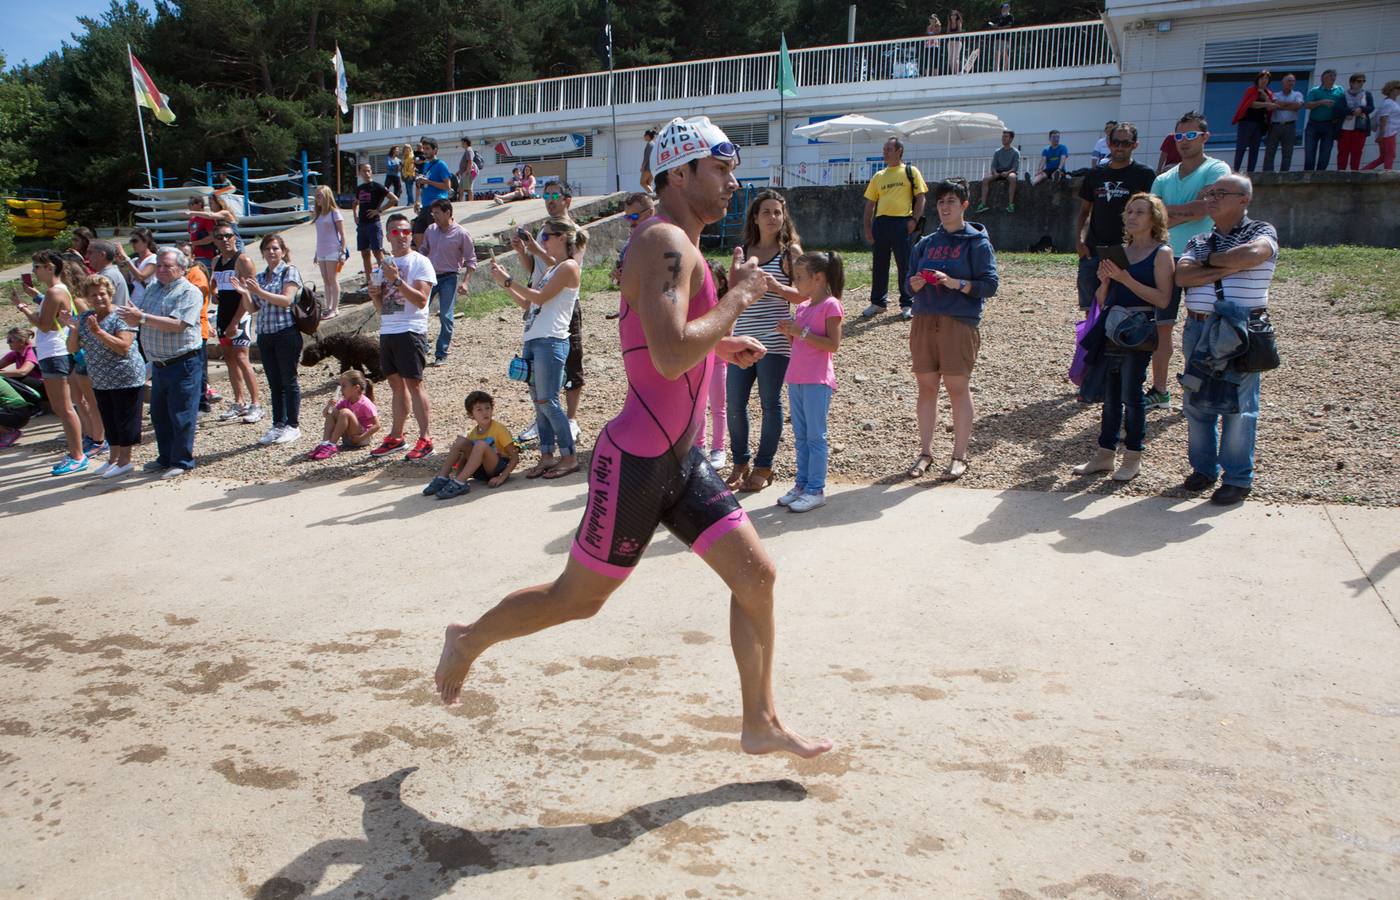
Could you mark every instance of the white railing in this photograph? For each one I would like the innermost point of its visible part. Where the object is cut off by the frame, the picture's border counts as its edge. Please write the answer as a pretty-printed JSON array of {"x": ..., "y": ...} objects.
[
  {"x": 1075, "y": 44},
  {"x": 972, "y": 164}
]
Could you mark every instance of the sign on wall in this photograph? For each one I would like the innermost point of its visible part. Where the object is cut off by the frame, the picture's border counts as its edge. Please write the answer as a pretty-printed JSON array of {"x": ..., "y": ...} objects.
[{"x": 541, "y": 145}]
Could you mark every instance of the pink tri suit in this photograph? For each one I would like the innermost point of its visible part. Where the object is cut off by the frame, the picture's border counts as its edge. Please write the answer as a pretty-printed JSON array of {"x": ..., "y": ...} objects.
[{"x": 646, "y": 470}]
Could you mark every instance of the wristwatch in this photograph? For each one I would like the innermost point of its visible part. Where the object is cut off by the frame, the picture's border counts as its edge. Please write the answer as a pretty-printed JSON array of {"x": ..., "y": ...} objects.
[{"x": 962, "y": 285}]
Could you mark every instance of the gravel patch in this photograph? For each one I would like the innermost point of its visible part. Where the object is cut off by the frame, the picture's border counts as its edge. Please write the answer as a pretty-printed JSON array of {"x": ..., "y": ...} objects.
[{"x": 1329, "y": 427}]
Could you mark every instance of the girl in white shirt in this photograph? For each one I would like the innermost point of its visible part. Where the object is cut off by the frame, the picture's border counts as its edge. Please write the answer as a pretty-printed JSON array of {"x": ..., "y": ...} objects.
[{"x": 330, "y": 246}]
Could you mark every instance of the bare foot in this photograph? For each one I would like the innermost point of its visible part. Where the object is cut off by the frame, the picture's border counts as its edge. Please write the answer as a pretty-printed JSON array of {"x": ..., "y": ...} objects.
[
  {"x": 772, "y": 737},
  {"x": 455, "y": 662}
]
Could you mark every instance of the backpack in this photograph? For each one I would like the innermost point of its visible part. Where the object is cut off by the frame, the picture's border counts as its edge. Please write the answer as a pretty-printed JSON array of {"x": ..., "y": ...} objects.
[
  {"x": 306, "y": 310},
  {"x": 477, "y": 161}
]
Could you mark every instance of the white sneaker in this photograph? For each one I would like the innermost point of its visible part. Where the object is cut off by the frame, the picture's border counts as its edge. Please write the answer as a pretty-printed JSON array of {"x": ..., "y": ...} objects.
[
  {"x": 529, "y": 434},
  {"x": 573, "y": 429},
  {"x": 118, "y": 471},
  {"x": 786, "y": 499},
  {"x": 252, "y": 414},
  {"x": 236, "y": 411},
  {"x": 98, "y": 473},
  {"x": 172, "y": 472},
  {"x": 872, "y": 311},
  {"x": 807, "y": 502},
  {"x": 289, "y": 434},
  {"x": 272, "y": 435},
  {"x": 718, "y": 459}
]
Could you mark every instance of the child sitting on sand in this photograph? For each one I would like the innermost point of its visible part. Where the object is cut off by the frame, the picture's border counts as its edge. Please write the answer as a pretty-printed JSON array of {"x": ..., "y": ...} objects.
[
  {"x": 352, "y": 420},
  {"x": 487, "y": 453}
]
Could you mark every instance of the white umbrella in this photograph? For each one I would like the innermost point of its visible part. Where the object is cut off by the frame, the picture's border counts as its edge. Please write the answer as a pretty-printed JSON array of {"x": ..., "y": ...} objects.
[
  {"x": 852, "y": 127},
  {"x": 953, "y": 126}
]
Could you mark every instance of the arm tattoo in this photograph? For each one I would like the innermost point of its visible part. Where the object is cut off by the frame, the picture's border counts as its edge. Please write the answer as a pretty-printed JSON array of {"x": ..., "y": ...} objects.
[{"x": 669, "y": 290}]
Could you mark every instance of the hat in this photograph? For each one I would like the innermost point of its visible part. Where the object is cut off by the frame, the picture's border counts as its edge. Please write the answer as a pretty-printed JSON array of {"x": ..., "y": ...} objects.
[{"x": 683, "y": 140}]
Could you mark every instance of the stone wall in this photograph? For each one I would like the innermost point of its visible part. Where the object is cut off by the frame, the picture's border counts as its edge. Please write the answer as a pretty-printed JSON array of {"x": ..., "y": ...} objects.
[{"x": 1306, "y": 207}]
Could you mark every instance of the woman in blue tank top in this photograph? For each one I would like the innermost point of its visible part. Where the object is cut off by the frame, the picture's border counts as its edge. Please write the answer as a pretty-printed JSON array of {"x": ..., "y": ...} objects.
[{"x": 1146, "y": 283}]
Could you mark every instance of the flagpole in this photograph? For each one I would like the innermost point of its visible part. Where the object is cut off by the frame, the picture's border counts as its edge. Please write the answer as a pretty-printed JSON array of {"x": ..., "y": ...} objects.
[
  {"x": 612, "y": 103},
  {"x": 337, "y": 147},
  {"x": 140, "y": 125}
]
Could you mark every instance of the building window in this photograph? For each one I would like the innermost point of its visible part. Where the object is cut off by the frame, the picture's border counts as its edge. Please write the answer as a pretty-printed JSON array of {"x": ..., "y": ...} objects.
[
  {"x": 586, "y": 151},
  {"x": 1225, "y": 90},
  {"x": 747, "y": 134}
]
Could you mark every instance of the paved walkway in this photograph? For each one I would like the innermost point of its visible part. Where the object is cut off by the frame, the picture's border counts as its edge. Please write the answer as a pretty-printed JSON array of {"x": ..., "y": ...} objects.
[{"x": 225, "y": 691}]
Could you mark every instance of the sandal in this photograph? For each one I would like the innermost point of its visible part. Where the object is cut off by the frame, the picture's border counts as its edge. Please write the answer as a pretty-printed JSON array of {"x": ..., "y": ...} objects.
[
  {"x": 920, "y": 466},
  {"x": 738, "y": 475},
  {"x": 957, "y": 468},
  {"x": 540, "y": 468},
  {"x": 561, "y": 471},
  {"x": 757, "y": 480}
]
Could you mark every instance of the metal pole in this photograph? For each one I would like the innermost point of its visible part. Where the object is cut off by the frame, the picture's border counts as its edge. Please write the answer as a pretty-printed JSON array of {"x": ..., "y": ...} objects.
[
  {"x": 247, "y": 202},
  {"x": 305, "y": 182},
  {"x": 337, "y": 140},
  {"x": 160, "y": 178},
  {"x": 140, "y": 126},
  {"x": 209, "y": 173},
  {"x": 612, "y": 104},
  {"x": 851, "y": 24}
]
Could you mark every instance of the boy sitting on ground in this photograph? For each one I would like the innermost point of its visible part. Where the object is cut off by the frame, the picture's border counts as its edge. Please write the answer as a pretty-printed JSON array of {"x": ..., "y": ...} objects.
[{"x": 487, "y": 453}]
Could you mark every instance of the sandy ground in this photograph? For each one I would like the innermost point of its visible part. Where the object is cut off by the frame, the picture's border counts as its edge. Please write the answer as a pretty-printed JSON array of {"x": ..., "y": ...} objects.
[{"x": 222, "y": 690}]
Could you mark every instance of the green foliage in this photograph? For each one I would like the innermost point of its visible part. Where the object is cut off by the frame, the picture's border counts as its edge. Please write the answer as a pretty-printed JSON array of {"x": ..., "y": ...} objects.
[
  {"x": 64, "y": 239},
  {"x": 1361, "y": 279},
  {"x": 7, "y": 238},
  {"x": 253, "y": 77}
]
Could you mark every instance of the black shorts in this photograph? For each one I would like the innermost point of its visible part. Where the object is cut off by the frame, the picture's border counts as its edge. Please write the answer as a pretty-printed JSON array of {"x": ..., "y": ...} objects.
[
  {"x": 1167, "y": 315},
  {"x": 120, "y": 409},
  {"x": 369, "y": 236},
  {"x": 482, "y": 475},
  {"x": 422, "y": 220},
  {"x": 628, "y": 496},
  {"x": 573, "y": 363},
  {"x": 404, "y": 354}
]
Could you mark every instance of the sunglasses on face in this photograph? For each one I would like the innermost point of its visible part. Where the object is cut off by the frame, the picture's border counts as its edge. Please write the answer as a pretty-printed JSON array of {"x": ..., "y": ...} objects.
[
  {"x": 632, "y": 217},
  {"x": 554, "y": 196},
  {"x": 1187, "y": 135},
  {"x": 401, "y": 231},
  {"x": 1121, "y": 143},
  {"x": 224, "y": 236},
  {"x": 550, "y": 234}
]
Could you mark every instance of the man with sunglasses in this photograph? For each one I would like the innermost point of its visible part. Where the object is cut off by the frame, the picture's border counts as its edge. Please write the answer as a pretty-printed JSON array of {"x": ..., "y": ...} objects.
[
  {"x": 1234, "y": 261},
  {"x": 646, "y": 469},
  {"x": 1102, "y": 197},
  {"x": 1180, "y": 188},
  {"x": 400, "y": 294},
  {"x": 536, "y": 261}
]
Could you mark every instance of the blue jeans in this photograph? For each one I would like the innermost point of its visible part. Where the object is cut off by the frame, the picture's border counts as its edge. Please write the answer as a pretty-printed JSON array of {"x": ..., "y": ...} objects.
[
  {"x": 891, "y": 234},
  {"x": 446, "y": 292},
  {"x": 1228, "y": 446},
  {"x": 281, "y": 353},
  {"x": 809, "y": 404},
  {"x": 1123, "y": 402},
  {"x": 175, "y": 410},
  {"x": 1317, "y": 145},
  {"x": 738, "y": 385},
  {"x": 547, "y": 357},
  {"x": 1087, "y": 282}
]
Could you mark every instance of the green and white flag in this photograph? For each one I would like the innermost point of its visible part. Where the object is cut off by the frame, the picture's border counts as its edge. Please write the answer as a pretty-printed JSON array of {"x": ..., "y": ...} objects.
[{"x": 787, "y": 82}]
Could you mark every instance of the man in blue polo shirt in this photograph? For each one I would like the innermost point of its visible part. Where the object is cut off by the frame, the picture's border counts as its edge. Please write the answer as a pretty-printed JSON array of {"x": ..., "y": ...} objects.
[{"x": 434, "y": 183}]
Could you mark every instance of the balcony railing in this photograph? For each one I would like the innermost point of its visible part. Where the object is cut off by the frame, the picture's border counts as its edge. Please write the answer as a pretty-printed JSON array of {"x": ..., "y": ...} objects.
[{"x": 1072, "y": 45}]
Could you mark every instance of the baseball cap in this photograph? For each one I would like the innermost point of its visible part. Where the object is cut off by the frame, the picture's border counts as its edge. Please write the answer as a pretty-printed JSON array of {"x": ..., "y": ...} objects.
[{"x": 683, "y": 140}]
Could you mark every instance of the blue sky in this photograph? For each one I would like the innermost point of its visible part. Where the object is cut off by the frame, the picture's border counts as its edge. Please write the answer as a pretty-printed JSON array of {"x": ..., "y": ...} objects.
[{"x": 31, "y": 30}]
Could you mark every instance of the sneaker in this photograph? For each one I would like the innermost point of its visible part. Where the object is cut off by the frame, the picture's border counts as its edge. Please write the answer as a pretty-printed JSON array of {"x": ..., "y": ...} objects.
[
  {"x": 236, "y": 411},
  {"x": 529, "y": 434},
  {"x": 786, "y": 499},
  {"x": 871, "y": 311},
  {"x": 103, "y": 469},
  {"x": 173, "y": 472},
  {"x": 154, "y": 466},
  {"x": 8, "y": 438},
  {"x": 118, "y": 471},
  {"x": 906, "y": 313},
  {"x": 289, "y": 435},
  {"x": 438, "y": 483},
  {"x": 421, "y": 448},
  {"x": 718, "y": 459},
  {"x": 1229, "y": 495},
  {"x": 1197, "y": 482},
  {"x": 1010, "y": 207},
  {"x": 99, "y": 449},
  {"x": 323, "y": 450},
  {"x": 212, "y": 396},
  {"x": 573, "y": 430},
  {"x": 388, "y": 445},
  {"x": 1158, "y": 400},
  {"x": 252, "y": 414},
  {"x": 438, "y": 361},
  {"x": 453, "y": 489},
  {"x": 68, "y": 465},
  {"x": 807, "y": 502},
  {"x": 271, "y": 436},
  {"x": 981, "y": 208},
  {"x": 88, "y": 444}
]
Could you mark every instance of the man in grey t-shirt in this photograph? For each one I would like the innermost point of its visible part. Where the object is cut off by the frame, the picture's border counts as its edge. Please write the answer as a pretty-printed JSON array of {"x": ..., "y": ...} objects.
[
  {"x": 1006, "y": 164},
  {"x": 102, "y": 259}
]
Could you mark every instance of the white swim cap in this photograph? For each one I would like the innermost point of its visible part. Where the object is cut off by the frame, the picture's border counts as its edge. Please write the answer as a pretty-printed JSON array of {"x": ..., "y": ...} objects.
[{"x": 683, "y": 140}]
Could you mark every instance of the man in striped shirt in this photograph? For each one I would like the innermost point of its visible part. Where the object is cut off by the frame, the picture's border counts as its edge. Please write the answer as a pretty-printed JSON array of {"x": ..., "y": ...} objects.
[{"x": 1239, "y": 254}]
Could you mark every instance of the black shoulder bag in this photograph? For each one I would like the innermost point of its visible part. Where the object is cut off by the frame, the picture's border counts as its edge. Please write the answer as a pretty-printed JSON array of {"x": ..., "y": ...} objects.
[
  {"x": 1261, "y": 351},
  {"x": 922, "y": 220}
]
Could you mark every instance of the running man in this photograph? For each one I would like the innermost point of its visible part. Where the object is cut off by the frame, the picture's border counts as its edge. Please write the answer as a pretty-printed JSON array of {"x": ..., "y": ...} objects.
[{"x": 646, "y": 470}]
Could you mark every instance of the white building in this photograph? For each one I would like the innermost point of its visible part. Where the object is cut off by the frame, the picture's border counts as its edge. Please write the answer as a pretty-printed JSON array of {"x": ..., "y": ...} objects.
[{"x": 1145, "y": 62}]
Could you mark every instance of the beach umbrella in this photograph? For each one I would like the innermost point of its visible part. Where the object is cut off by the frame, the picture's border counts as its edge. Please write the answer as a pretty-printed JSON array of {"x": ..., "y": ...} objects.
[
  {"x": 851, "y": 127},
  {"x": 953, "y": 127}
]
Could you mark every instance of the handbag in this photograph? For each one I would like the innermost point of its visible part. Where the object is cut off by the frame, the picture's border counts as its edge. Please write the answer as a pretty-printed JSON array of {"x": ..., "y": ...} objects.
[
  {"x": 1121, "y": 321},
  {"x": 306, "y": 310},
  {"x": 519, "y": 368},
  {"x": 1261, "y": 348},
  {"x": 1081, "y": 353}
]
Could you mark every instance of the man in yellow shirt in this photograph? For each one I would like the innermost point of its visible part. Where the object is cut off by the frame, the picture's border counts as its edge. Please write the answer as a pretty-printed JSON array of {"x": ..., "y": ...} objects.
[{"x": 894, "y": 203}]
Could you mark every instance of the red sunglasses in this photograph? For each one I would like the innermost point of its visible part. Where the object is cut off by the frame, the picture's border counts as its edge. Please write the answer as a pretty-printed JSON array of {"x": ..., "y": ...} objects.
[{"x": 401, "y": 231}]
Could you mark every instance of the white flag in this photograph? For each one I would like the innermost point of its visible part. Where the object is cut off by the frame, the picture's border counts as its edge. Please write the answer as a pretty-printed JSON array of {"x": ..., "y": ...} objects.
[{"x": 341, "y": 88}]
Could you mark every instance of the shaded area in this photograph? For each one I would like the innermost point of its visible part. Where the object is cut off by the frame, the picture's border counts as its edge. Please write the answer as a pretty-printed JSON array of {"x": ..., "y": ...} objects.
[{"x": 409, "y": 855}]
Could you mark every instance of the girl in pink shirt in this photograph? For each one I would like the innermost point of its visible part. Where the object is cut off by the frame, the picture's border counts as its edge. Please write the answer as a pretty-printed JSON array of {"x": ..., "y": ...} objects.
[
  {"x": 815, "y": 331},
  {"x": 353, "y": 419}
]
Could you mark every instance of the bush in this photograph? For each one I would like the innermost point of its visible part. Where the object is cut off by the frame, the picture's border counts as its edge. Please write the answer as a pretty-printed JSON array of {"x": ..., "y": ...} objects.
[
  {"x": 7, "y": 238},
  {"x": 64, "y": 239}
]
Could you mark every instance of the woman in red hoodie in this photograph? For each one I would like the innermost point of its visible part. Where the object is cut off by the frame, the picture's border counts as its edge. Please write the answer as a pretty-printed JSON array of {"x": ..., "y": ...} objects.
[{"x": 1252, "y": 119}]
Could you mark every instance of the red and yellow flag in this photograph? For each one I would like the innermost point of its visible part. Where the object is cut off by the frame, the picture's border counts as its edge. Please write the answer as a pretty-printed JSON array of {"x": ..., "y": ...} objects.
[{"x": 146, "y": 93}]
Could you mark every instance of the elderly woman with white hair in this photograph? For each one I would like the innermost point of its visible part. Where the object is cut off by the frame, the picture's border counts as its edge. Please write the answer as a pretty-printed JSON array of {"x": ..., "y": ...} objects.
[{"x": 168, "y": 316}]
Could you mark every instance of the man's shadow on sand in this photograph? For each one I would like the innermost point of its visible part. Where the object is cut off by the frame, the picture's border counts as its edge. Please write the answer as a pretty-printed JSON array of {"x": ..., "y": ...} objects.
[{"x": 407, "y": 854}]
